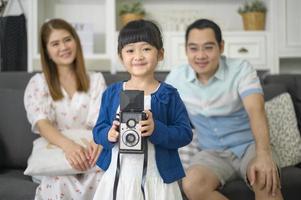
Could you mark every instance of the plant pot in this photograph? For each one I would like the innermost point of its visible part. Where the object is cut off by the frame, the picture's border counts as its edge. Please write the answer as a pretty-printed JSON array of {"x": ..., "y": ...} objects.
[
  {"x": 253, "y": 20},
  {"x": 128, "y": 17}
]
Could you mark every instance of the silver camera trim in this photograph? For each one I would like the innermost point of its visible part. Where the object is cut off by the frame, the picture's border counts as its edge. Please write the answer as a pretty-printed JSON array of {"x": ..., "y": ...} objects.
[{"x": 125, "y": 129}]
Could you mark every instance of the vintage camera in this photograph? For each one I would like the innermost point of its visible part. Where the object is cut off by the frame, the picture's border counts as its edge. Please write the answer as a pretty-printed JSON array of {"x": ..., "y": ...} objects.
[{"x": 131, "y": 112}]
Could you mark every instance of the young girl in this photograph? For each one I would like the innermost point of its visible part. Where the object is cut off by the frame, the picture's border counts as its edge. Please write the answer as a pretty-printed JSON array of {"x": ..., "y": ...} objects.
[{"x": 167, "y": 127}]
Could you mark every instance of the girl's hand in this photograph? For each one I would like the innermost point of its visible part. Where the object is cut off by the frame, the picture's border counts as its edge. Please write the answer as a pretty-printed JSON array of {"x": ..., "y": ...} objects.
[
  {"x": 148, "y": 125},
  {"x": 113, "y": 132},
  {"x": 76, "y": 155},
  {"x": 94, "y": 151}
]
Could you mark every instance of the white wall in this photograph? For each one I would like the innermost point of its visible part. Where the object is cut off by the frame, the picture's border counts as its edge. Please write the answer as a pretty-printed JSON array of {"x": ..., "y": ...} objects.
[{"x": 291, "y": 65}]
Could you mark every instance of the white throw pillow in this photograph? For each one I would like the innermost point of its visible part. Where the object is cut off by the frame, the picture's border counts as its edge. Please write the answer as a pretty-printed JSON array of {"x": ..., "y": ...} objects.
[
  {"x": 49, "y": 160},
  {"x": 284, "y": 132}
]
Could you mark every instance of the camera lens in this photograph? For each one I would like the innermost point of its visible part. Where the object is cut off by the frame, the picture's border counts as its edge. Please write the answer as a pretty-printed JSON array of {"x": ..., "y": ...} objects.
[
  {"x": 131, "y": 123},
  {"x": 130, "y": 138}
]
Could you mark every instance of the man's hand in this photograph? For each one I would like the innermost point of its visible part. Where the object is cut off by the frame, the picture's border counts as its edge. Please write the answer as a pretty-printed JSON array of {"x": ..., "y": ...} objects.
[{"x": 263, "y": 172}]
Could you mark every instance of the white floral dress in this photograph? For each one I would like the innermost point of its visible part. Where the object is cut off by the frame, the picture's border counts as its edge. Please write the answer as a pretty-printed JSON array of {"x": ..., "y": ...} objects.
[
  {"x": 78, "y": 112},
  {"x": 129, "y": 184}
]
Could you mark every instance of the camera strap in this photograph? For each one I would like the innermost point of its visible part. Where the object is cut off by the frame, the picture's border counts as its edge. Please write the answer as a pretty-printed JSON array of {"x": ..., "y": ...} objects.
[
  {"x": 116, "y": 177},
  {"x": 145, "y": 160},
  {"x": 144, "y": 168}
]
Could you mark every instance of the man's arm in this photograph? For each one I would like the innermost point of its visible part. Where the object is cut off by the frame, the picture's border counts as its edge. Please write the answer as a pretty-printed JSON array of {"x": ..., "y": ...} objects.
[
  {"x": 254, "y": 105},
  {"x": 263, "y": 170}
]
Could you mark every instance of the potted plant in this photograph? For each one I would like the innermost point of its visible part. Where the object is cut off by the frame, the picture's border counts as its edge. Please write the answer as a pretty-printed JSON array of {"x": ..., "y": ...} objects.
[
  {"x": 131, "y": 11},
  {"x": 253, "y": 14}
]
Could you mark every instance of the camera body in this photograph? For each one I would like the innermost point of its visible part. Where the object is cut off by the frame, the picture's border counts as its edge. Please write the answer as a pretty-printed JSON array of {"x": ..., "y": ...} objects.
[
  {"x": 131, "y": 112},
  {"x": 131, "y": 140}
]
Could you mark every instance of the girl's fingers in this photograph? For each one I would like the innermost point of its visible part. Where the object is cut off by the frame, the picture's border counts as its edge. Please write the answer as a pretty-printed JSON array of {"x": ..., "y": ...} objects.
[
  {"x": 149, "y": 114},
  {"x": 147, "y": 129},
  {"x": 144, "y": 122},
  {"x": 115, "y": 124},
  {"x": 144, "y": 129},
  {"x": 145, "y": 134},
  {"x": 113, "y": 136}
]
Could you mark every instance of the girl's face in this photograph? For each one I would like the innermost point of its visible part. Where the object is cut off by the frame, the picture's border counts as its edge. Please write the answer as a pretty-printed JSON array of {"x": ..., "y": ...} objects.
[
  {"x": 61, "y": 47},
  {"x": 140, "y": 58}
]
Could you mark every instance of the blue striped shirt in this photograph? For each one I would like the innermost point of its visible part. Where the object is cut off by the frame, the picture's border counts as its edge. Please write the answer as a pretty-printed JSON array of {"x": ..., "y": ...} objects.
[{"x": 216, "y": 109}]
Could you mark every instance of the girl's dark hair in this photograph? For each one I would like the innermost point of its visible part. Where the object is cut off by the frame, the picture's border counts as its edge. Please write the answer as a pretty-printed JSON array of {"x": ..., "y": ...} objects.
[
  {"x": 138, "y": 31},
  {"x": 202, "y": 24}
]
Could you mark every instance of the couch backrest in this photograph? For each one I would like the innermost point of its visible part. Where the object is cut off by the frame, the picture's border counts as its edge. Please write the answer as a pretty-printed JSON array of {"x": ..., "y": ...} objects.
[
  {"x": 19, "y": 80},
  {"x": 15, "y": 132},
  {"x": 120, "y": 76},
  {"x": 14, "y": 80}
]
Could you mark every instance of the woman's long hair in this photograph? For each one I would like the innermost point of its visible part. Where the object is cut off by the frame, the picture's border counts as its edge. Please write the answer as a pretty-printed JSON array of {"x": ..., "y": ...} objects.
[{"x": 50, "y": 68}]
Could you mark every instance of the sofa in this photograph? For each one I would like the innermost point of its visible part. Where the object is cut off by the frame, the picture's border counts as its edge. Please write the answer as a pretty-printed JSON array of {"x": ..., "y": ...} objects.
[{"x": 16, "y": 136}]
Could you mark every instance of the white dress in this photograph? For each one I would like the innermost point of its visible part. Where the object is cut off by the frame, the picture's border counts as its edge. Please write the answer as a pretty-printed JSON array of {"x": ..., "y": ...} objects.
[
  {"x": 78, "y": 112},
  {"x": 129, "y": 185}
]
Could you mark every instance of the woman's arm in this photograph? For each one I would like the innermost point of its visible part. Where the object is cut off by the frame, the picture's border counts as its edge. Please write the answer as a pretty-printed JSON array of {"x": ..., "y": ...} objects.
[
  {"x": 103, "y": 124},
  {"x": 76, "y": 154}
]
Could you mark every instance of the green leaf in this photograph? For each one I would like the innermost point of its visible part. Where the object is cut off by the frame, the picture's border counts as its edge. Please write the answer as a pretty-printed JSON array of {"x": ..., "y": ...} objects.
[
  {"x": 134, "y": 7},
  {"x": 253, "y": 6}
]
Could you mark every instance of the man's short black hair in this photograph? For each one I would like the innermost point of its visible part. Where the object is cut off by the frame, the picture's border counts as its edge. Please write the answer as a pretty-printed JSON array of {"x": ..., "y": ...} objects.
[{"x": 202, "y": 24}]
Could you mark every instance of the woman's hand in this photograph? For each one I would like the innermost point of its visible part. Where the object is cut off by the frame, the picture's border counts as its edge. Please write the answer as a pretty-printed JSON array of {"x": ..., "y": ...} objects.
[
  {"x": 148, "y": 125},
  {"x": 77, "y": 155},
  {"x": 113, "y": 132},
  {"x": 94, "y": 151}
]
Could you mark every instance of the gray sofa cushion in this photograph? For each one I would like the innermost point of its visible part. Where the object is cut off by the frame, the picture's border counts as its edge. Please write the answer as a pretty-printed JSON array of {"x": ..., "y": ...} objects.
[
  {"x": 16, "y": 186},
  {"x": 1, "y": 155},
  {"x": 15, "y": 132},
  {"x": 14, "y": 80},
  {"x": 291, "y": 183}
]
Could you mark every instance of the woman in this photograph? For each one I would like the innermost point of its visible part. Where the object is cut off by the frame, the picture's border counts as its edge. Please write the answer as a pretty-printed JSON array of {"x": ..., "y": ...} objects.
[{"x": 65, "y": 97}]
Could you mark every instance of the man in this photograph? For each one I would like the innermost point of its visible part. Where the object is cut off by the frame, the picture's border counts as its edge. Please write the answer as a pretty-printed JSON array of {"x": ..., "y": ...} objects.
[{"x": 225, "y": 102}]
